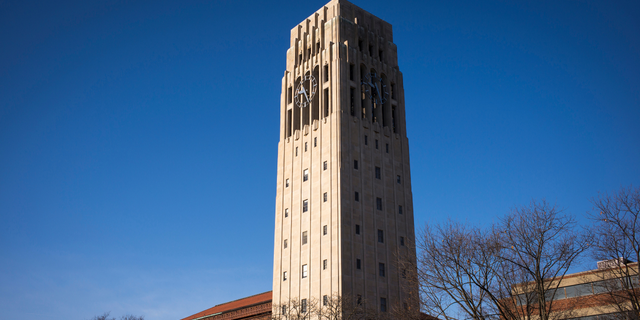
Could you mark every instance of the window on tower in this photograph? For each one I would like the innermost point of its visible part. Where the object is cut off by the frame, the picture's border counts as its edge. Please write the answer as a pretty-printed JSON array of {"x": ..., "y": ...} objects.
[
  {"x": 324, "y": 230},
  {"x": 380, "y": 236},
  {"x": 324, "y": 197},
  {"x": 324, "y": 165},
  {"x": 378, "y": 175},
  {"x": 351, "y": 71},
  {"x": 326, "y": 73},
  {"x": 325, "y": 299},
  {"x": 286, "y": 183},
  {"x": 285, "y": 243},
  {"x": 315, "y": 142},
  {"x": 399, "y": 209},
  {"x": 303, "y": 303},
  {"x": 304, "y": 272},
  {"x": 366, "y": 140},
  {"x": 358, "y": 264},
  {"x": 324, "y": 264},
  {"x": 357, "y": 229},
  {"x": 286, "y": 212},
  {"x": 387, "y": 148},
  {"x": 284, "y": 276},
  {"x": 355, "y": 164},
  {"x": 305, "y": 205},
  {"x": 304, "y": 237},
  {"x": 383, "y": 304},
  {"x": 357, "y": 196},
  {"x": 379, "y": 203},
  {"x": 376, "y": 143},
  {"x": 305, "y": 175},
  {"x": 305, "y": 147},
  {"x": 289, "y": 94},
  {"x": 381, "y": 270},
  {"x": 326, "y": 102},
  {"x": 398, "y": 179},
  {"x": 402, "y": 241},
  {"x": 352, "y": 101}
]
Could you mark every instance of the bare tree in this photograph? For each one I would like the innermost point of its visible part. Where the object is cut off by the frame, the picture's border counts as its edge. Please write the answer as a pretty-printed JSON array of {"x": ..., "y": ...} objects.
[
  {"x": 105, "y": 316},
  {"x": 337, "y": 307},
  {"x": 617, "y": 233},
  {"x": 295, "y": 309},
  {"x": 510, "y": 271},
  {"x": 541, "y": 244}
]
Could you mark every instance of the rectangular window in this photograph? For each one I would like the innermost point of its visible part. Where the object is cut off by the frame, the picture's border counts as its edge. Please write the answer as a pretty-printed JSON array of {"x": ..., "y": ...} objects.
[
  {"x": 357, "y": 196},
  {"x": 286, "y": 212},
  {"x": 381, "y": 269},
  {"x": 305, "y": 205},
  {"x": 286, "y": 183},
  {"x": 404, "y": 273},
  {"x": 359, "y": 299},
  {"x": 325, "y": 300},
  {"x": 284, "y": 309},
  {"x": 315, "y": 142},
  {"x": 402, "y": 241},
  {"x": 317, "y": 47},
  {"x": 378, "y": 174},
  {"x": 285, "y": 243},
  {"x": 355, "y": 164},
  {"x": 324, "y": 264},
  {"x": 304, "y": 271},
  {"x": 296, "y": 151},
  {"x": 305, "y": 147},
  {"x": 393, "y": 91},
  {"x": 325, "y": 197},
  {"x": 383, "y": 304},
  {"x": 303, "y": 306},
  {"x": 289, "y": 94},
  {"x": 398, "y": 179},
  {"x": 357, "y": 229},
  {"x": 304, "y": 237},
  {"x": 305, "y": 175},
  {"x": 351, "y": 72},
  {"x": 376, "y": 143},
  {"x": 380, "y": 54},
  {"x": 399, "y": 209},
  {"x": 352, "y": 102},
  {"x": 284, "y": 276},
  {"x": 379, "y": 203},
  {"x": 371, "y": 50},
  {"x": 366, "y": 140},
  {"x": 358, "y": 264},
  {"x": 326, "y": 72},
  {"x": 324, "y": 166},
  {"x": 360, "y": 46},
  {"x": 324, "y": 230},
  {"x": 387, "y": 146},
  {"x": 326, "y": 102},
  {"x": 380, "y": 236}
]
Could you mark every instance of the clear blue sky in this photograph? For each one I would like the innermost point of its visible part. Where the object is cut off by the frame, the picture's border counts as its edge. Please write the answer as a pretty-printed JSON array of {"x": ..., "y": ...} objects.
[{"x": 138, "y": 139}]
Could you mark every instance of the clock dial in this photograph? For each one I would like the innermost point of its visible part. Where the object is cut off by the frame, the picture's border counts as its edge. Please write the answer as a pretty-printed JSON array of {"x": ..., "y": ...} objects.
[
  {"x": 375, "y": 88},
  {"x": 305, "y": 91}
]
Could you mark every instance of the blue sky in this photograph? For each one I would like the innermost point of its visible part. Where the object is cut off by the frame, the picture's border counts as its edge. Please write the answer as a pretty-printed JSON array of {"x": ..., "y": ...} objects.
[{"x": 138, "y": 140}]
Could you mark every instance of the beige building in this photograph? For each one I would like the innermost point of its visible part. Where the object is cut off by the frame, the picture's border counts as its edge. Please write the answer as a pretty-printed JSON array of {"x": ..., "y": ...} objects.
[{"x": 344, "y": 209}]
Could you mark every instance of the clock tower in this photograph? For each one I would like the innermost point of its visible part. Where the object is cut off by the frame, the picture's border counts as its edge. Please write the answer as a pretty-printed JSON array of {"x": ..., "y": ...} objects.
[{"x": 344, "y": 209}]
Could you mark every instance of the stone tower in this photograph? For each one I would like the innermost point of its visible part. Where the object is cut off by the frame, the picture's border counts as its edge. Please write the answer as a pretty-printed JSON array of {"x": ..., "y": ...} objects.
[{"x": 344, "y": 209}]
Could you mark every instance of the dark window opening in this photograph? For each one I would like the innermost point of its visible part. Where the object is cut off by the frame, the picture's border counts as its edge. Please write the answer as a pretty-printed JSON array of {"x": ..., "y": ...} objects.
[
  {"x": 315, "y": 142},
  {"x": 324, "y": 265},
  {"x": 402, "y": 241},
  {"x": 357, "y": 196},
  {"x": 326, "y": 102},
  {"x": 305, "y": 205},
  {"x": 378, "y": 174},
  {"x": 325, "y": 299},
  {"x": 399, "y": 209},
  {"x": 352, "y": 101},
  {"x": 303, "y": 306},
  {"x": 398, "y": 179},
  {"x": 286, "y": 213},
  {"x": 324, "y": 230},
  {"x": 304, "y": 237},
  {"x": 376, "y": 143},
  {"x": 381, "y": 269},
  {"x": 358, "y": 264},
  {"x": 325, "y": 197},
  {"x": 383, "y": 304},
  {"x": 380, "y": 236},
  {"x": 360, "y": 45},
  {"x": 326, "y": 72},
  {"x": 289, "y": 94},
  {"x": 324, "y": 166},
  {"x": 366, "y": 140},
  {"x": 380, "y": 54},
  {"x": 371, "y": 50},
  {"x": 387, "y": 146},
  {"x": 305, "y": 147},
  {"x": 355, "y": 164},
  {"x": 359, "y": 299},
  {"x": 393, "y": 91},
  {"x": 317, "y": 47},
  {"x": 379, "y": 203},
  {"x": 357, "y": 229},
  {"x": 351, "y": 71}
]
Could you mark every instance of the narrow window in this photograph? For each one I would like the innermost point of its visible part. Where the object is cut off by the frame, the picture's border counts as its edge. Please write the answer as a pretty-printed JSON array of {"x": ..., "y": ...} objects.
[
  {"x": 355, "y": 164},
  {"x": 324, "y": 230},
  {"x": 305, "y": 175},
  {"x": 285, "y": 243},
  {"x": 387, "y": 148},
  {"x": 296, "y": 151},
  {"x": 358, "y": 264},
  {"x": 324, "y": 264},
  {"x": 284, "y": 309},
  {"x": 371, "y": 50},
  {"x": 326, "y": 72},
  {"x": 360, "y": 44},
  {"x": 378, "y": 175},
  {"x": 359, "y": 299},
  {"x": 303, "y": 306},
  {"x": 326, "y": 102},
  {"x": 300, "y": 58},
  {"x": 304, "y": 237},
  {"x": 315, "y": 142},
  {"x": 399, "y": 209},
  {"x": 398, "y": 179},
  {"x": 379, "y": 203},
  {"x": 357, "y": 229},
  {"x": 284, "y": 278},
  {"x": 325, "y": 299},
  {"x": 405, "y": 306},
  {"x": 376, "y": 143},
  {"x": 366, "y": 140},
  {"x": 381, "y": 269},
  {"x": 404, "y": 273},
  {"x": 325, "y": 197},
  {"x": 308, "y": 52},
  {"x": 380, "y": 236},
  {"x": 318, "y": 47},
  {"x": 351, "y": 66},
  {"x": 393, "y": 91},
  {"x": 383, "y": 304},
  {"x": 402, "y": 241},
  {"x": 352, "y": 101},
  {"x": 286, "y": 183},
  {"x": 286, "y": 212},
  {"x": 305, "y": 147},
  {"x": 305, "y": 205},
  {"x": 324, "y": 166},
  {"x": 357, "y": 196},
  {"x": 289, "y": 94}
]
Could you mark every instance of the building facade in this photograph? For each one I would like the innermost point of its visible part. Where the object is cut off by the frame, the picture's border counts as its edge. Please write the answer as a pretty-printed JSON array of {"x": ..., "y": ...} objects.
[{"x": 344, "y": 209}]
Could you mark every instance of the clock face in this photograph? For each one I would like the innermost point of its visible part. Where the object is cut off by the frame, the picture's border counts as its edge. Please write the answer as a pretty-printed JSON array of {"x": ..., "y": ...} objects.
[
  {"x": 305, "y": 91},
  {"x": 374, "y": 88}
]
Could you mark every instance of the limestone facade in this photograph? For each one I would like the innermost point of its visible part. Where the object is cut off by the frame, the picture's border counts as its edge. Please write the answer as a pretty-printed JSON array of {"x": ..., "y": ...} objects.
[{"x": 344, "y": 208}]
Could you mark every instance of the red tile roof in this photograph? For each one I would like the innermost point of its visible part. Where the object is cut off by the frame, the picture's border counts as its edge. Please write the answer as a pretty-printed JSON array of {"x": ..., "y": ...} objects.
[{"x": 236, "y": 304}]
